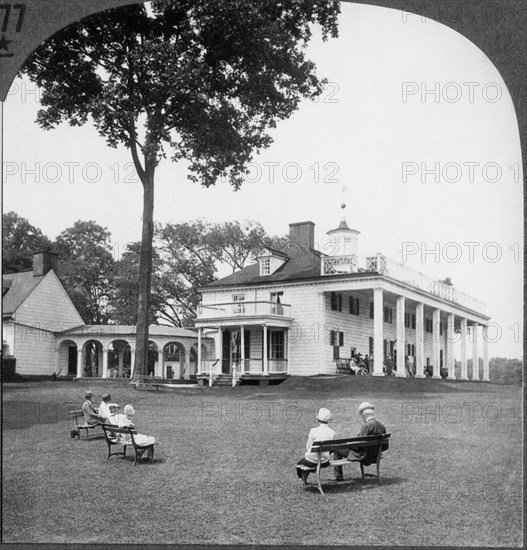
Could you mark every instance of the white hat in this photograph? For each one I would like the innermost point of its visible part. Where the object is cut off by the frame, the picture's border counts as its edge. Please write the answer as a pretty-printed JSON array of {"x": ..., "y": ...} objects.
[
  {"x": 129, "y": 410},
  {"x": 324, "y": 415},
  {"x": 366, "y": 405}
]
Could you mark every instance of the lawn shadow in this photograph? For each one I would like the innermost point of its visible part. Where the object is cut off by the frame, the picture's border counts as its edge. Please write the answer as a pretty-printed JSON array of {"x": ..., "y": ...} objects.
[{"x": 353, "y": 485}]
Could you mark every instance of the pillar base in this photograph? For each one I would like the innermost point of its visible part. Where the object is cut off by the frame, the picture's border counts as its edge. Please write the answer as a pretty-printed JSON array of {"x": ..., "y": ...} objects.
[
  {"x": 420, "y": 376},
  {"x": 464, "y": 378},
  {"x": 451, "y": 378},
  {"x": 476, "y": 380},
  {"x": 436, "y": 377},
  {"x": 378, "y": 374},
  {"x": 485, "y": 380},
  {"x": 397, "y": 375}
]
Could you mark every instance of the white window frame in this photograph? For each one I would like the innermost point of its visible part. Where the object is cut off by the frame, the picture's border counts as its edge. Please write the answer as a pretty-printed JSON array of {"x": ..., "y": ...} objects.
[
  {"x": 238, "y": 307},
  {"x": 265, "y": 266}
]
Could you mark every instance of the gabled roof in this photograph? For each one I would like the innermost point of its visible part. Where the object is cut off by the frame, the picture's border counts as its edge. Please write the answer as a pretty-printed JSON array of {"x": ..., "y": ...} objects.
[
  {"x": 301, "y": 263},
  {"x": 274, "y": 252},
  {"x": 19, "y": 286}
]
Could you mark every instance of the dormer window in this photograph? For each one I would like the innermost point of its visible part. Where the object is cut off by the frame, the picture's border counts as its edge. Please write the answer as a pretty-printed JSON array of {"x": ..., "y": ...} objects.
[
  {"x": 265, "y": 266},
  {"x": 270, "y": 260}
]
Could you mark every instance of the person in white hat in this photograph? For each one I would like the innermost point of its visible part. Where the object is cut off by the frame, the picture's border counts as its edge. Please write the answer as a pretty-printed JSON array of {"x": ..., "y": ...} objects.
[
  {"x": 140, "y": 439},
  {"x": 370, "y": 426},
  {"x": 105, "y": 407},
  {"x": 319, "y": 433}
]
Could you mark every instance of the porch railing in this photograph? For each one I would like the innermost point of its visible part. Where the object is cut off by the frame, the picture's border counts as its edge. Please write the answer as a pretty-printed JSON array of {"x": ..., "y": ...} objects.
[
  {"x": 336, "y": 265},
  {"x": 232, "y": 309},
  {"x": 255, "y": 366}
]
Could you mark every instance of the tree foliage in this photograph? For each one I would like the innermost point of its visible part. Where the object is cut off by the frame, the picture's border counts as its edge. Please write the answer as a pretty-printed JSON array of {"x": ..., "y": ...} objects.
[
  {"x": 86, "y": 267},
  {"x": 126, "y": 287},
  {"x": 203, "y": 79},
  {"x": 19, "y": 240}
]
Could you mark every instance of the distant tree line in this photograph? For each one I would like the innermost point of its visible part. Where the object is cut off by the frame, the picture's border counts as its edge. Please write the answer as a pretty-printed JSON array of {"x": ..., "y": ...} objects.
[
  {"x": 501, "y": 370},
  {"x": 104, "y": 285}
]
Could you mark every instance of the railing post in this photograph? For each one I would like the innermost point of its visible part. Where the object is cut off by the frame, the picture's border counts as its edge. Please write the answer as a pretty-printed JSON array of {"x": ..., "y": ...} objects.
[{"x": 210, "y": 374}]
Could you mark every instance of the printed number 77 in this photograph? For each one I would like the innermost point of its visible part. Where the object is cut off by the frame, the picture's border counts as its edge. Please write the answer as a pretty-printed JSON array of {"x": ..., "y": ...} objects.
[{"x": 7, "y": 12}]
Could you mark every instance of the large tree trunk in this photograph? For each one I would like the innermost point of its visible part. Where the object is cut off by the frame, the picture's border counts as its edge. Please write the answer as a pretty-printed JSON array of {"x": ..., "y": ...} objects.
[{"x": 145, "y": 273}]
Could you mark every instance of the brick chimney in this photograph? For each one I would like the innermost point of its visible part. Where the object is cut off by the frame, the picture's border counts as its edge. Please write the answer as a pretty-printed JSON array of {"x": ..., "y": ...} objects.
[
  {"x": 302, "y": 233},
  {"x": 43, "y": 261}
]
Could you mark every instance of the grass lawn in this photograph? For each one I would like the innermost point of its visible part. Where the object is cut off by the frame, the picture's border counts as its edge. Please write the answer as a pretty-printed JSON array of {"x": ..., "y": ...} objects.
[{"x": 224, "y": 469}]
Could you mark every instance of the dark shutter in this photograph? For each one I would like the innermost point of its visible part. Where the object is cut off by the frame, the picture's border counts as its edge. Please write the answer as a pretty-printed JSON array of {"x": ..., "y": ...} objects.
[
  {"x": 247, "y": 344},
  {"x": 341, "y": 338}
]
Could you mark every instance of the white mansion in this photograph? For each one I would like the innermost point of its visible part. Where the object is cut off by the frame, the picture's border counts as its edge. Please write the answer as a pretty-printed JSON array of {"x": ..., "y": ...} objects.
[{"x": 297, "y": 312}]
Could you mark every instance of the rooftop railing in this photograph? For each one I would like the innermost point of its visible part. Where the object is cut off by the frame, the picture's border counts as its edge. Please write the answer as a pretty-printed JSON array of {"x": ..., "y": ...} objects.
[
  {"x": 242, "y": 308},
  {"x": 338, "y": 265}
]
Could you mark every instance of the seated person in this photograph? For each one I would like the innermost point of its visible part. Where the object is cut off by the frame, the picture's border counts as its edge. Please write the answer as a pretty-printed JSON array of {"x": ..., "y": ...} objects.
[
  {"x": 105, "y": 408},
  {"x": 370, "y": 426},
  {"x": 319, "y": 433},
  {"x": 126, "y": 420},
  {"x": 90, "y": 411}
]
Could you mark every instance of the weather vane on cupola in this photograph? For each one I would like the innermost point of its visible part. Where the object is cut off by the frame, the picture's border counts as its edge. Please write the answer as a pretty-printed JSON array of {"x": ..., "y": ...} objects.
[
  {"x": 344, "y": 238},
  {"x": 343, "y": 204}
]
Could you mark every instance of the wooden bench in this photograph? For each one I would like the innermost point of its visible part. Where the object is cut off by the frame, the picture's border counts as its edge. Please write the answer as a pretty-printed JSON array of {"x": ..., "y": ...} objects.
[
  {"x": 347, "y": 444},
  {"x": 111, "y": 435},
  {"x": 343, "y": 367},
  {"x": 77, "y": 428}
]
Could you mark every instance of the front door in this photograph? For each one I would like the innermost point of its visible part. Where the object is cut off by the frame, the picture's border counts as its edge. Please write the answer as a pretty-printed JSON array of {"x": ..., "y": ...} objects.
[{"x": 226, "y": 352}]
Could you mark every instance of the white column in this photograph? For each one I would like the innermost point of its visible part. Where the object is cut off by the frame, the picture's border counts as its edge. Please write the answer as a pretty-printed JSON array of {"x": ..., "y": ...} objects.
[
  {"x": 475, "y": 356},
  {"x": 436, "y": 341},
  {"x": 419, "y": 340},
  {"x": 265, "y": 354},
  {"x": 159, "y": 366},
  {"x": 104, "y": 363},
  {"x": 121, "y": 359},
  {"x": 450, "y": 336},
  {"x": 79, "y": 361},
  {"x": 199, "y": 352},
  {"x": 485, "y": 355},
  {"x": 401, "y": 340},
  {"x": 186, "y": 366},
  {"x": 464, "y": 349},
  {"x": 132, "y": 362},
  {"x": 242, "y": 350},
  {"x": 378, "y": 358}
]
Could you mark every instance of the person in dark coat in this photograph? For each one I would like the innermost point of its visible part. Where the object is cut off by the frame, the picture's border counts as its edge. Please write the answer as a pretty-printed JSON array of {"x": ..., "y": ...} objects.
[
  {"x": 370, "y": 426},
  {"x": 91, "y": 412}
]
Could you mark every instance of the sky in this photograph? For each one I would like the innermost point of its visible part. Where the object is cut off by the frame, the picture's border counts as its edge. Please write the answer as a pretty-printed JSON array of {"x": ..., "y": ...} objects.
[{"x": 415, "y": 131}]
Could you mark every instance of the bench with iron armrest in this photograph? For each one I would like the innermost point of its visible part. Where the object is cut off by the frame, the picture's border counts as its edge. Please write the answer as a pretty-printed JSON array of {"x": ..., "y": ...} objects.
[
  {"x": 348, "y": 444},
  {"x": 78, "y": 428},
  {"x": 111, "y": 434}
]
